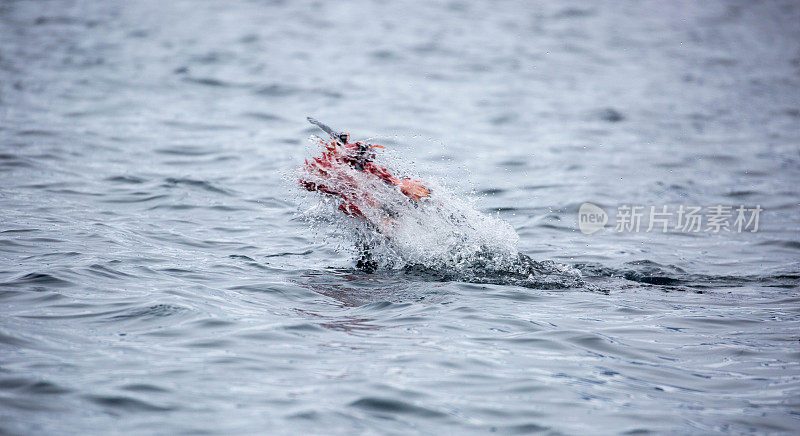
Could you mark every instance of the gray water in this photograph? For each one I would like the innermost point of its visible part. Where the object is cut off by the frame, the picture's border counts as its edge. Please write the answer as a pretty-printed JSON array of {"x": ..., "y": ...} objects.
[{"x": 156, "y": 275}]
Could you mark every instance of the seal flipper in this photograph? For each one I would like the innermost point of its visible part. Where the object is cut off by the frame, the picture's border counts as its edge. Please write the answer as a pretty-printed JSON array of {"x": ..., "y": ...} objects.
[
  {"x": 341, "y": 138},
  {"x": 322, "y": 126}
]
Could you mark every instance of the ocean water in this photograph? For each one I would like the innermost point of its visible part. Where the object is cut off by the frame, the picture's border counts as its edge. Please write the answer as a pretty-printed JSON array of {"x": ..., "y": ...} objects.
[{"x": 159, "y": 273}]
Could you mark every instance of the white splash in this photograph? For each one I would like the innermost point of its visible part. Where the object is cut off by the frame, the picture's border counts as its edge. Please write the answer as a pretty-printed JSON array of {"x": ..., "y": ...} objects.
[{"x": 443, "y": 233}]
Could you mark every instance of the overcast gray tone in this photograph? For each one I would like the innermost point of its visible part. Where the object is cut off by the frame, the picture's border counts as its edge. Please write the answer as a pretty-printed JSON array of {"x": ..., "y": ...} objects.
[{"x": 156, "y": 275}]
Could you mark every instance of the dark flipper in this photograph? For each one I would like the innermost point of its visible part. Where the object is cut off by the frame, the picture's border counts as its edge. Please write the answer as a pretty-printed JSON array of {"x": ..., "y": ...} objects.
[
  {"x": 341, "y": 138},
  {"x": 324, "y": 127}
]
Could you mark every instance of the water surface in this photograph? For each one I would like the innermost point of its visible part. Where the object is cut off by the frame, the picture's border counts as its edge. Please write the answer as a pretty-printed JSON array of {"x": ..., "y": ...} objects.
[{"x": 155, "y": 276}]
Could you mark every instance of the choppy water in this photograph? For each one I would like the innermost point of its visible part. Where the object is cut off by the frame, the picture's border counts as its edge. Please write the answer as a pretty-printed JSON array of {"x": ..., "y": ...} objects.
[{"x": 156, "y": 275}]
